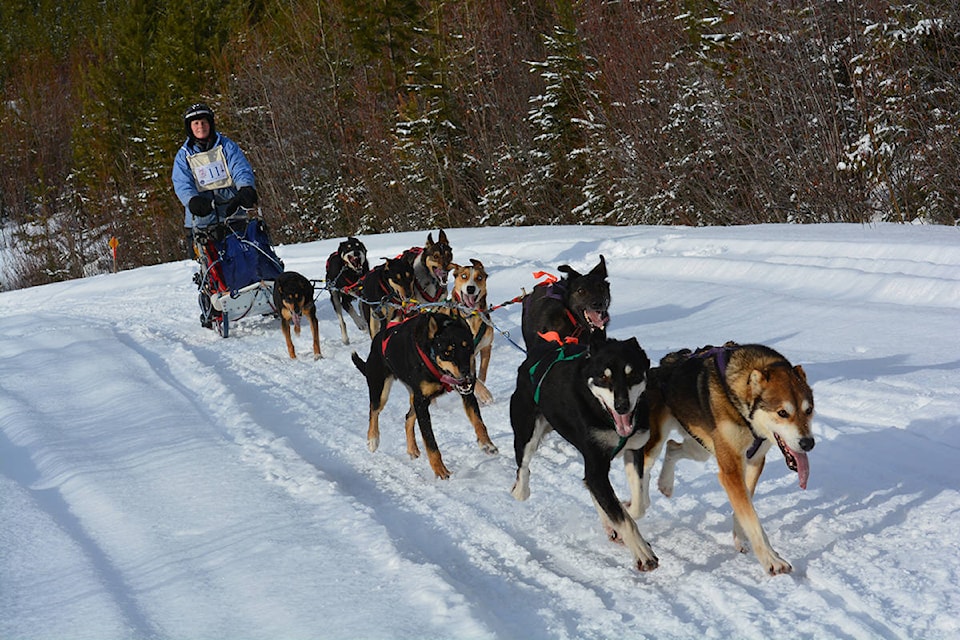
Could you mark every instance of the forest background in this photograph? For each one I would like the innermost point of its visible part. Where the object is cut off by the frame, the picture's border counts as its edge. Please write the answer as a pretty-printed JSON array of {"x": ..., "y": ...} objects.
[{"x": 372, "y": 116}]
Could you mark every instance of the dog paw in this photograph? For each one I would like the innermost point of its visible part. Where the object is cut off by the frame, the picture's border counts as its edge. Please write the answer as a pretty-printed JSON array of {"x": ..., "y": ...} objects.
[
  {"x": 775, "y": 565},
  {"x": 489, "y": 448},
  {"x": 519, "y": 492},
  {"x": 316, "y": 357},
  {"x": 484, "y": 397},
  {"x": 648, "y": 564},
  {"x": 373, "y": 444},
  {"x": 666, "y": 488}
]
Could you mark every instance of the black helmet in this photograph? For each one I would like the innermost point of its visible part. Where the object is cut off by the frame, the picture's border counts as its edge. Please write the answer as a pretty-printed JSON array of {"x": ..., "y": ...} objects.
[{"x": 196, "y": 112}]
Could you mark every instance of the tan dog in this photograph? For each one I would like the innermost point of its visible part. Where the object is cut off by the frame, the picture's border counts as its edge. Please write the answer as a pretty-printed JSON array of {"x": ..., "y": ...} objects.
[
  {"x": 293, "y": 298},
  {"x": 470, "y": 297},
  {"x": 731, "y": 402}
]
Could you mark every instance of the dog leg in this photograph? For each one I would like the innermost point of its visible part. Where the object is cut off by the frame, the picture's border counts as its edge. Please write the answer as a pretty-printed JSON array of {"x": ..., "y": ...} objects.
[
  {"x": 472, "y": 410},
  {"x": 732, "y": 478},
  {"x": 633, "y": 467},
  {"x": 676, "y": 451},
  {"x": 480, "y": 390},
  {"x": 285, "y": 328},
  {"x": 357, "y": 318},
  {"x": 378, "y": 399},
  {"x": 409, "y": 423},
  {"x": 338, "y": 310},
  {"x": 526, "y": 444},
  {"x": 484, "y": 363},
  {"x": 613, "y": 515},
  {"x": 651, "y": 450},
  {"x": 315, "y": 330},
  {"x": 421, "y": 405},
  {"x": 753, "y": 470}
]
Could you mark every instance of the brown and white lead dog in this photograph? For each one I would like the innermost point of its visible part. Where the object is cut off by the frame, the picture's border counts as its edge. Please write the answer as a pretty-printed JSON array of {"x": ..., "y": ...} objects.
[
  {"x": 470, "y": 297},
  {"x": 732, "y": 402}
]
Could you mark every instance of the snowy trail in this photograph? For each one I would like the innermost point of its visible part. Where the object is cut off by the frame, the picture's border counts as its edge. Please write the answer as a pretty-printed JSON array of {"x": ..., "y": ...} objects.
[{"x": 193, "y": 487}]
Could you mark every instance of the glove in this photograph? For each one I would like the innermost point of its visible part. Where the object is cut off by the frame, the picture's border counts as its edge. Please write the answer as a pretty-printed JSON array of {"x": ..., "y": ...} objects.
[
  {"x": 232, "y": 205},
  {"x": 247, "y": 197},
  {"x": 200, "y": 206}
]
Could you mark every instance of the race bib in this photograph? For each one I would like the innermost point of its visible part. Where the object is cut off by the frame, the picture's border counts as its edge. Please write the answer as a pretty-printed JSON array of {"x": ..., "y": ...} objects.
[{"x": 209, "y": 169}]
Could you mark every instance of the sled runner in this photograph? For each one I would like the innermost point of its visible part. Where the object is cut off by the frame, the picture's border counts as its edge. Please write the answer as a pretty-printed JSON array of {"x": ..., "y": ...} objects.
[{"x": 237, "y": 270}]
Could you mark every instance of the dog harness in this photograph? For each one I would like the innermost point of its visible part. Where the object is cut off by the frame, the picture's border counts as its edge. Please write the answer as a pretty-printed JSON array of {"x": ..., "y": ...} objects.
[
  {"x": 555, "y": 290},
  {"x": 483, "y": 313},
  {"x": 721, "y": 356},
  {"x": 563, "y": 356},
  {"x": 448, "y": 381}
]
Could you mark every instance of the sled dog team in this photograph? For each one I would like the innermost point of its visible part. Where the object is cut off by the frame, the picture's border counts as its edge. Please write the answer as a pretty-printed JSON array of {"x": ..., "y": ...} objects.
[{"x": 731, "y": 402}]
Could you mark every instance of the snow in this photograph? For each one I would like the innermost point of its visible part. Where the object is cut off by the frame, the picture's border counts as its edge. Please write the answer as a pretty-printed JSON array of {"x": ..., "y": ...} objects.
[{"x": 158, "y": 481}]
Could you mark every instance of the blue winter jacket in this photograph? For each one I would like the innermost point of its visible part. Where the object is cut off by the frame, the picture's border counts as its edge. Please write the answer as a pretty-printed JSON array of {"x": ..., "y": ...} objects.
[{"x": 186, "y": 187}]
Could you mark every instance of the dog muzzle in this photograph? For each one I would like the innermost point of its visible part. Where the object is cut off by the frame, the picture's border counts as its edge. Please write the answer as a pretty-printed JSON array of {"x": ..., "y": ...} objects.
[
  {"x": 464, "y": 386},
  {"x": 596, "y": 319}
]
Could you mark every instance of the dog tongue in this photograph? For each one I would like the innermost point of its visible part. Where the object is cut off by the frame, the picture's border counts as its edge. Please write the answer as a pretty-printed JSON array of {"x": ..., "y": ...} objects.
[
  {"x": 623, "y": 423},
  {"x": 596, "y": 318},
  {"x": 803, "y": 467}
]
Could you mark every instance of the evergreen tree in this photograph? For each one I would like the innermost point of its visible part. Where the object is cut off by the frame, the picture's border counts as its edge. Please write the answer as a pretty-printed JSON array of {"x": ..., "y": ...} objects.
[{"x": 565, "y": 119}]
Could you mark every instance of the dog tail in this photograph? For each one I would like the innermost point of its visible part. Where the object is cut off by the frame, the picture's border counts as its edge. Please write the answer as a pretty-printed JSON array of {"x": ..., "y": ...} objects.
[{"x": 360, "y": 364}]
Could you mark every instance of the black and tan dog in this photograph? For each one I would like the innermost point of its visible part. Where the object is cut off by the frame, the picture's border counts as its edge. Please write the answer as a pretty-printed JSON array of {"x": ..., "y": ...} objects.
[
  {"x": 593, "y": 398},
  {"x": 431, "y": 354},
  {"x": 566, "y": 308},
  {"x": 293, "y": 299},
  {"x": 730, "y": 402},
  {"x": 431, "y": 263},
  {"x": 383, "y": 292},
  {"x": 345, "y": 267},
  {"x": 469, "y": 298}
]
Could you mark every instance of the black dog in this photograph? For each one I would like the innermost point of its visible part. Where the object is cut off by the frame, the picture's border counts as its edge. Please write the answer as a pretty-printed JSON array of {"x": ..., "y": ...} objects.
[
  {"x": 431, "y": 263},
  {"x": 345, "y": 266},
  {"x": 383, "y": 291},
  {"x": 591, "y": 397},
  {"x": 293, "y": 298},
  {"x": 430, "y": 353},
  {"x": 564, "y": 309}
]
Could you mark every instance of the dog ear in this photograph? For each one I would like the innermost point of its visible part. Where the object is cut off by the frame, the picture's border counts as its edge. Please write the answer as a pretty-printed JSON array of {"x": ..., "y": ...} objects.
[
  {"x": 433, "y": 327},
  {"x": 567, "y": 269},
  {"x": 429, "y": 242},
  {"x": 600, "y": 269},
  {"x": 442, "y": 237},
  {"x": 476, "y": 263},
  {"x": 755, "y": 384},
  {"x": 800, "y": 373}
]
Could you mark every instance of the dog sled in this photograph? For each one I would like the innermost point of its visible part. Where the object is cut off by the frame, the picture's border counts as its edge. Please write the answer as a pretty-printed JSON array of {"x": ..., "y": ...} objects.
[{"x": 237, "y": 270}]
